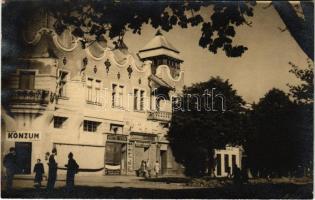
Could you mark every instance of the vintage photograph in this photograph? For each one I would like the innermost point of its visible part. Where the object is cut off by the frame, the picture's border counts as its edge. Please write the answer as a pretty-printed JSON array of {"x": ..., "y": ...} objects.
[{"x": 157, "y": 99}]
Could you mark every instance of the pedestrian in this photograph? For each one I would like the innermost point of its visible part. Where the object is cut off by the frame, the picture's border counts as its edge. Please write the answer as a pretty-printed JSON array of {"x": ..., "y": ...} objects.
[
  {"x": 39, "y": 171},
  {"x": 229, "y": 174},
  {"x": 148, "y": 168},
  {"x": 72, "y": 169},
  {"x": 142, "y": 168},
  {"x": 237, "y": 176},
  {"x": 9, "y": 162},
  {"x": 157, "y": 168},
  {"x": 145, "y": 169},
  {"x": 52, "y": 172}
]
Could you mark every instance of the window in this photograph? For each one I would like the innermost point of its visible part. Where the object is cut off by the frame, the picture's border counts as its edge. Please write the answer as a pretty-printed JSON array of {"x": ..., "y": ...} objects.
[
  {"x": 59, "y": 122},
  {"x": 93, "y": 91},
  {"x": 226, "y": 163},
  {"x": 90, "y": 126},
  {"x": 135, "y": 99},
  {"x": 114, "y": 87},
  {"x": 27, "y": 80},
  {"x": 116, "y": 128},
  {"x": 89, "y": 89},
  {"x": 62, "y": 85},
  {"x": 141, "y": 100},
  {"x": 121, "y": 95},
  {"x": 157, "y": 103},
  {"x": 117, "y": 96},
  {"x": 138, "y": 101}
]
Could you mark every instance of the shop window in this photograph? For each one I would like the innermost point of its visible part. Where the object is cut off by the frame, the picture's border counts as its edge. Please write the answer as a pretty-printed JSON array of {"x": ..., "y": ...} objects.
[
  {"x": 62, "y": 84},
  {"x": 226, "y": 163},
  {"x": 90, "y": 126},
  {"x": 27, "y": 80},
  {"x": 59, "y": 122}
]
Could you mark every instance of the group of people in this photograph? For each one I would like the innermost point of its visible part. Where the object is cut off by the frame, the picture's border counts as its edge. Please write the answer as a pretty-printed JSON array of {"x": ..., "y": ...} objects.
[
  {"x": 10, "y": 164},
  {"x": 145, "y": 170},
  {"x": 239, "y": 176}
]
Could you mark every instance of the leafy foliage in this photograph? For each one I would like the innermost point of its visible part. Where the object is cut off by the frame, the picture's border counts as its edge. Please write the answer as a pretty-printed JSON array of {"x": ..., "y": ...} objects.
[
  {"x": 303, "y": 93},
  {"x": 304, "y": 96},
  {"x": 90, "y": 20},
  {"x": 277, "y": 144},
  {"x": 195, "y": 133}
]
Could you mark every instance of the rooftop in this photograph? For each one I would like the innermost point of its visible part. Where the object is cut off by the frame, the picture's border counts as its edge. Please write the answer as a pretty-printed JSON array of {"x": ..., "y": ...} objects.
[{"x": 159, "y": 41}]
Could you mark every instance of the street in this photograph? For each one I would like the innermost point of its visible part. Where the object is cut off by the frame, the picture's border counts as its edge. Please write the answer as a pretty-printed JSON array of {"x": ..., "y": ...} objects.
[{"x": 166, "y": 187}]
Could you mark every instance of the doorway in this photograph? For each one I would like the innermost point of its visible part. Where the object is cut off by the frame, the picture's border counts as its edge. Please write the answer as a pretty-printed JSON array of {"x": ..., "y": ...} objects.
[
  {"x": 115, "y": 158},
  {"x": 163, "y": 159},
  {"x": 23, "y": 157}
]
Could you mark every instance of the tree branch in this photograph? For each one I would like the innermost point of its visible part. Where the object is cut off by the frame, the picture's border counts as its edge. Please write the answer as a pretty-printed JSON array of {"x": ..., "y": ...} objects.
[{"x": 301, "y": 30}]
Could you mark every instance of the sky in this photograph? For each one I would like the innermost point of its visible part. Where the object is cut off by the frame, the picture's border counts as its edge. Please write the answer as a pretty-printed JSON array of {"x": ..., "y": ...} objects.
[{"x": 262, "y": 67}]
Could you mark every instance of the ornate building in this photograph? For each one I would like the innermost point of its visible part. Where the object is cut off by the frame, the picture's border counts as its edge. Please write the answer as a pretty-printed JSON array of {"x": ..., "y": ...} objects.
[{"x": 107, "y": 106}]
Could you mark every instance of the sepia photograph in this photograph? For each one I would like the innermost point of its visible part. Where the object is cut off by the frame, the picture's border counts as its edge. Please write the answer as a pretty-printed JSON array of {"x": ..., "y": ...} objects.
[{"x": 157, "y": 99}]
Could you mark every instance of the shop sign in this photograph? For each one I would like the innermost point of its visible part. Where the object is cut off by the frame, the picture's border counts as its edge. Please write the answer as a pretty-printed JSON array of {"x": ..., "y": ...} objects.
[
  {"x": 117, "y": 137},
  {"x": 148, "y": 138},
  {"x": 163, "y": 147},
  {"x": 142, "y": 144},
  {"x": 23, "y": 136}
]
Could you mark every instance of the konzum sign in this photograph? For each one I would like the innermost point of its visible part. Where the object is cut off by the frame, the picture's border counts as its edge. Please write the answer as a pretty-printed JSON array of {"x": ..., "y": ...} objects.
[{"x": 23, "y": 136}]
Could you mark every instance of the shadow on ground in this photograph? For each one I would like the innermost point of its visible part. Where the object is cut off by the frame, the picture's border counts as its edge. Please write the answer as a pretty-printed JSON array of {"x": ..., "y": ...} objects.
[
  {"x": 168, "y": 180},
  {"x": 259, "y": 191}
]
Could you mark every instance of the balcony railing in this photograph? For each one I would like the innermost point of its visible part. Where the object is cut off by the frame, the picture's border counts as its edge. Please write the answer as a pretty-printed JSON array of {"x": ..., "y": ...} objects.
[
  {"x": 29, "y": 96},
  {"x": 160, "y": 116}
]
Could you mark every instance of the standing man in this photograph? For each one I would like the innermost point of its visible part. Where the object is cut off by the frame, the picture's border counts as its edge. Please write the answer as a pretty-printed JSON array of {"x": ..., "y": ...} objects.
[
  {"x": 157, "y": 168},
  {"x": 9, "y": 163},
  {"x": 39, "y": 171},
  {"x": 52, "y": 172},
  {"x": 72, "y": 169}
]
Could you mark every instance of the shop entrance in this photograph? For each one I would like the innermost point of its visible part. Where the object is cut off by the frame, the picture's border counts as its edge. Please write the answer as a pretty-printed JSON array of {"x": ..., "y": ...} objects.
[
  {"x": 23, "y": 157},
  {"x": 163, "y": 159},
  {"x": 115, "y": 158}
]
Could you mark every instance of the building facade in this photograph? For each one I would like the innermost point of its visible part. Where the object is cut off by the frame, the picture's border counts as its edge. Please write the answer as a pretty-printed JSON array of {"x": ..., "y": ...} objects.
[
  {"x": 226, "y": 159},
  {"x": 109, "y": 107}
]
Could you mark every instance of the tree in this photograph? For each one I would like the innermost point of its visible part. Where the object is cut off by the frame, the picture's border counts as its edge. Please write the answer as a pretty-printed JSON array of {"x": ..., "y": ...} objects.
[
  {"x": 91, "y": 19},
  {"x": 272, "y": 147},
  {"x": 197, "y": 130},
  {"x": 303, "y": 94}
]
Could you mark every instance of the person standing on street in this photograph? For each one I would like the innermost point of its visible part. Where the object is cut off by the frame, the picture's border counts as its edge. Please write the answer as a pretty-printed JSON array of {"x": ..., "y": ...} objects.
[
  {"x": 9, "y": 163},
  {"x": 157, "y": 168},
  {"x": 39, "y": 171},
  {"x": 52, "y": 172},
  {"x": 72, "y": 169}
]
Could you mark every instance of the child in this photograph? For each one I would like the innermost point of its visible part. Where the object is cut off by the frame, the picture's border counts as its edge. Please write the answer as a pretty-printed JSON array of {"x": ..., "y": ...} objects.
[{"x": 39, "y": 171}]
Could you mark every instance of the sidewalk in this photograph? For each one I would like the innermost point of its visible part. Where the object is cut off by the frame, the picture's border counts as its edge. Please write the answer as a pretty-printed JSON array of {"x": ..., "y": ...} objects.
[{"x": 26, "y": 181}]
